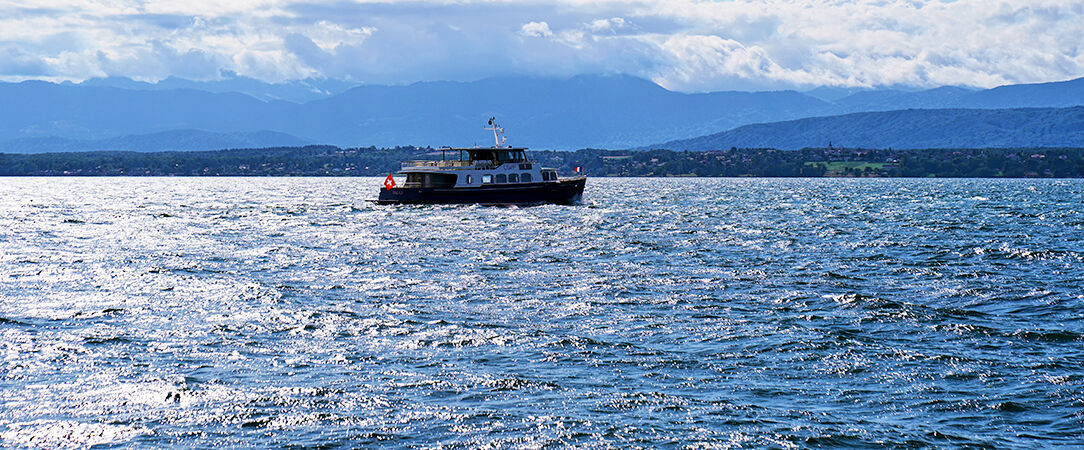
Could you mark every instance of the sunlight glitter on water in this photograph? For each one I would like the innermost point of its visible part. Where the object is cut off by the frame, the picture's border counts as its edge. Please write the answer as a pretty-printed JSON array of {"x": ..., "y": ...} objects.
[{"x": 717, "y": 312}]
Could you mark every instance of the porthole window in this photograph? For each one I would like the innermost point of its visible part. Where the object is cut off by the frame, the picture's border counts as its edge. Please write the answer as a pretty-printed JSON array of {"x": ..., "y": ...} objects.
[
  {"x": 487, "y": 179},
  {"x": 513, "y": 178},
  {"x": 500, "y": 178},
  {"x": 526, "y": 178},
  {"x": 469, "y": 179}
]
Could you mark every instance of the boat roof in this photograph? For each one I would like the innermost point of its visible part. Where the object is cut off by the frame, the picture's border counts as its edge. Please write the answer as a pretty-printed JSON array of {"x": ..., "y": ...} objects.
[{"x": 482, "y": 149}]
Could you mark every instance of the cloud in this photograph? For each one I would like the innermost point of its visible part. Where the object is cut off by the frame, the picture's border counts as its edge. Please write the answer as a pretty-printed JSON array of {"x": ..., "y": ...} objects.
[
  {"x": 688, "y": 45},
  {"x": 14, "y": 60},
  {"x": 696, "y": 60},
  {"x": 607, "y": 25},
  {"x": 328, "y": 35},
  {"x": 536, "y": 29}
]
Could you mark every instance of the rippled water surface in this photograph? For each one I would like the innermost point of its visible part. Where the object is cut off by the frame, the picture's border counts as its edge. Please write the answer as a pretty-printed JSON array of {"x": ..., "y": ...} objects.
[{"x": 662, "y": 312}]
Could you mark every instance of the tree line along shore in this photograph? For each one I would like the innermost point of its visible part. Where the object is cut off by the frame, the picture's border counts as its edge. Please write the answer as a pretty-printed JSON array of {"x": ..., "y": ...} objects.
[{"x": 734, "y": 162}]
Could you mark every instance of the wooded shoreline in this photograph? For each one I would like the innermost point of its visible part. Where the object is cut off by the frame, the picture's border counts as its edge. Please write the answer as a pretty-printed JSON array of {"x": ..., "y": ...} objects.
[{"x": 734, "y": 162}]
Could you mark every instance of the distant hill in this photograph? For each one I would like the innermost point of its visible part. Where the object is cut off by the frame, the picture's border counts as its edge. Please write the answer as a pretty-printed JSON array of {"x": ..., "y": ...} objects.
[
  {"x": 163, "y": 141},
  {"x": 40, "y": 109},
  {"x": 583, "y": 111},
  {"x": 1042, "y": 95},
  {"x": 916, "y": 128},
  {"x": 1057, "y": 94},
  {"x": 892, "y": 100}
]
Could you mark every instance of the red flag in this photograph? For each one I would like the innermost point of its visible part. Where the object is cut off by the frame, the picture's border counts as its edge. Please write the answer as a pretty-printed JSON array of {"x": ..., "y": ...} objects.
[
  {"x": 389, "y": 182},
  {"x": 577, "y": 169}
]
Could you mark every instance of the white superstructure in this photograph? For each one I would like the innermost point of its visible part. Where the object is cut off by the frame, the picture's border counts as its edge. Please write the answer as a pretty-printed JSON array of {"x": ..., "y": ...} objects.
[{"x": 478, "y": 167}]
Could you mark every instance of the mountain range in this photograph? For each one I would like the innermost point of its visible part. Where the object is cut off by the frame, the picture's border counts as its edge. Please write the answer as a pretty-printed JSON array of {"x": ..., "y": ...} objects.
[{"x": 583, "y": 111}]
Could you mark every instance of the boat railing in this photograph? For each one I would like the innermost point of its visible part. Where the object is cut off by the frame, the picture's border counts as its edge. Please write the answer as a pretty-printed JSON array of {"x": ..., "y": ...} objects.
[
  {"x": 435, "y": 163},
  {"x": 447, "y": 163}
]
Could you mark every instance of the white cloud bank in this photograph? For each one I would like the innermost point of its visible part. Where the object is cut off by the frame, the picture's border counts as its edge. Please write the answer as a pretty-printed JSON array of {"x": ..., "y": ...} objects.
[{"x": 681, "y": 44}]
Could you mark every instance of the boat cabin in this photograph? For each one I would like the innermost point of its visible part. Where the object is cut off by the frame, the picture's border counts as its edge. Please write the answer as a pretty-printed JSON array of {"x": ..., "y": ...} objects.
[
  {"x": 493, "y": 167},
  {"x": 496, "y": 156},
  {"x": 476, "y": 167}
]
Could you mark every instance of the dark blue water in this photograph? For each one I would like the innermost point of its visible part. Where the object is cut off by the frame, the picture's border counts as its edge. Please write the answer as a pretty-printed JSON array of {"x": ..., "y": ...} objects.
[{"x": 664, "y": 312}]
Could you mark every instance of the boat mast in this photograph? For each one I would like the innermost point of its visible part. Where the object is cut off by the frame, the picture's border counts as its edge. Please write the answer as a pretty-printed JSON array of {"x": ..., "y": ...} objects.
[{"x": 498, "y": 140}]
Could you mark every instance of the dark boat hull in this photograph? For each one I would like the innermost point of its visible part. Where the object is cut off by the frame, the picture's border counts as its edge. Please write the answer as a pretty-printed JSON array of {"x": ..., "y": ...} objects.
[{"x": 564, "y": 192}]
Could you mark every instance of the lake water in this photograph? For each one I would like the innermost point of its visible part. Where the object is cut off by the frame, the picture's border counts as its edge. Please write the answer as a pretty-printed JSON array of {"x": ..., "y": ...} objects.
[{"x": 663, "y": 312}]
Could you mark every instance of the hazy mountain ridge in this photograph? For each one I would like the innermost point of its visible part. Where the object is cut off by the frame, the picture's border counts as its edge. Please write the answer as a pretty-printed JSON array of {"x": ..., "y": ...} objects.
[
  {"x": 1052, "y": 95},
  {"x": 297, "y": 91},
  {"x": 583, "y": 111},
  {"x": 186, "y": 140},
  {"x": 915, "y": 128},
  {"x": 39, "y": 109},
  {"x": 580, "y": 112},
  {"x": 586, "y": 111}
]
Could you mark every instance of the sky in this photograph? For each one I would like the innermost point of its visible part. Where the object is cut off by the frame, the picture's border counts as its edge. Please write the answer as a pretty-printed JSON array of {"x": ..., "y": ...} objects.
[{"x": 683, "y": 45}]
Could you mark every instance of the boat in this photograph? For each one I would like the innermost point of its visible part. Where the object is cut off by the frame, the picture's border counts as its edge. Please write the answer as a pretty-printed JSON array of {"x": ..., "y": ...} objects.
[{"x": 501, "y": 175}]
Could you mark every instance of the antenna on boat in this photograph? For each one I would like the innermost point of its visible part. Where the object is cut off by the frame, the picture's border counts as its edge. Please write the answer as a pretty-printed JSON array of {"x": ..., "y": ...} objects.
[{"x": 498, "y": 140}]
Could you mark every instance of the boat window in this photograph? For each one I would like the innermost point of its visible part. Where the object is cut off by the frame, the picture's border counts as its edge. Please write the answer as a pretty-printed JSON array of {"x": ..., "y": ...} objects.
[
  {"x": 429, "y": 180},
  {"x": 513, "y": 178},
  {"x": 483, "y": 155},
  {"x": 500, "y": 178},
  {"x": 526, "y": 178},
  {"x": 469, "y": 180},
  {"x": 487, "y": 178}
]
